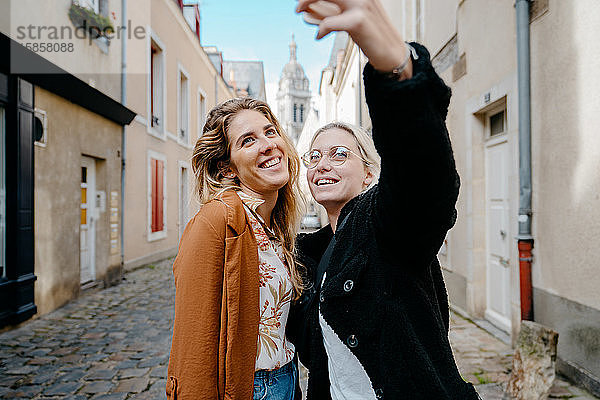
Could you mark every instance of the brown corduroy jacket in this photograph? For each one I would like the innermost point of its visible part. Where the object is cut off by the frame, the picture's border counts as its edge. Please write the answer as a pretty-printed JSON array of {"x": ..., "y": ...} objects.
[{"x": 215, "y": 332}]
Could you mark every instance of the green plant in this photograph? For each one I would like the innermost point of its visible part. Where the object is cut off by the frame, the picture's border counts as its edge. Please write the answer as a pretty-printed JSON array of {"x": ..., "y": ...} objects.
[
  {"x": 482, "y": 378},
  {"x": 96, "y": 25}
]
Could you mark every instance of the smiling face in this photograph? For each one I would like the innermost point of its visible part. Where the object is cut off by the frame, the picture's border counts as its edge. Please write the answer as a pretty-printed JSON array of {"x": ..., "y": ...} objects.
[
  {"x": 258, "y": 155},
  {"x": 333, "y": 186}
]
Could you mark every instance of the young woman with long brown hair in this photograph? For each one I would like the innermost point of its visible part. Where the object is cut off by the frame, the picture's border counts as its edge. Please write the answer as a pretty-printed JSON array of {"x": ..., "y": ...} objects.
[{"x": 235, "y": 274}]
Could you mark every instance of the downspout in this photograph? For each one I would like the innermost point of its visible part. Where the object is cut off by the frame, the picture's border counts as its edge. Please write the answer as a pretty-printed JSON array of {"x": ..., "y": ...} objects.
[
  {"x": 360, "y": 89},
  {"x": 525, "y": 239},
  {"x": 216, "y": 89},
  {"x": 124, "y": 34}
]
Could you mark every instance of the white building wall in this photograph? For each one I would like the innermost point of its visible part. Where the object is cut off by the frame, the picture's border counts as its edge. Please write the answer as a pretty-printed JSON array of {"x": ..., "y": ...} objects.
[
  {"x": 478, "y": 41},
  {"x": 347, "y": 98}
]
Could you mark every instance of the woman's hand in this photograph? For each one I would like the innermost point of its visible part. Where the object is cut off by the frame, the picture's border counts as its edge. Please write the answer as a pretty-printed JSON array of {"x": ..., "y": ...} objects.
[{"x": 367, "y": 22}]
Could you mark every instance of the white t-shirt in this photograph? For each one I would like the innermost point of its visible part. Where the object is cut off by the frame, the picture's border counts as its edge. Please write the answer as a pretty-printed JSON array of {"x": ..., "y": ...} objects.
[{"x": 347, "y": 377}]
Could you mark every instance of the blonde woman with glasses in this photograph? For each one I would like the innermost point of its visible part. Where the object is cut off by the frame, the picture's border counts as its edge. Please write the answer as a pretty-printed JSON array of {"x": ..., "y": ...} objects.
[{"x": 374, "y": 323}]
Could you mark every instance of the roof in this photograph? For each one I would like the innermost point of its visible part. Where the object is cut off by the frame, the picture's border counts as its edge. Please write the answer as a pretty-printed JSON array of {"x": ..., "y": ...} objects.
[{"x": 248, "y": 75}]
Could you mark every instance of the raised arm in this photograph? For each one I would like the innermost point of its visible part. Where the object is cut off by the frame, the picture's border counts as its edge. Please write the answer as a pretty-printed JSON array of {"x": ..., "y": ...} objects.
[
  {"x": 418, "y": 185},
  {"x": 412, "y": 207}
]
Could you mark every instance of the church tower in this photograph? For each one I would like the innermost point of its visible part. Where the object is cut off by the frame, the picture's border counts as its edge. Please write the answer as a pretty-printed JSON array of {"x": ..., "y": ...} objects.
[{"x": 293, "y": 96}]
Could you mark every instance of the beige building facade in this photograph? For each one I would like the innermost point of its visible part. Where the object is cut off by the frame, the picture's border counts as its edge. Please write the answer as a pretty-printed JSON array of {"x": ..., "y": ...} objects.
[
  {"x": 65, "y": 237},
  {"x": 476, "y": 55},
  {"x": 171, "y": 85},
  {"x": 473, "y": 44},
  {"x": 77, "y": 197}
]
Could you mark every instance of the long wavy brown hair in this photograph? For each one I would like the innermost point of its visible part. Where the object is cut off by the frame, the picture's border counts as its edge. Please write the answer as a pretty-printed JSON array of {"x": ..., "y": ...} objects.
[{"x": 212, "y": 153}]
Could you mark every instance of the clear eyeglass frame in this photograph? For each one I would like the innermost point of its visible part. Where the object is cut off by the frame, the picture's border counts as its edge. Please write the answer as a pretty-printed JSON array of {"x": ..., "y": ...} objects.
[{"x": 336, "y": 155}]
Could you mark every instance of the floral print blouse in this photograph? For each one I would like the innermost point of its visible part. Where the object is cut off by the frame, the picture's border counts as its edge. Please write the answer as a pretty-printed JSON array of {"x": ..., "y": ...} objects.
[{"x": 275, "y": 286}]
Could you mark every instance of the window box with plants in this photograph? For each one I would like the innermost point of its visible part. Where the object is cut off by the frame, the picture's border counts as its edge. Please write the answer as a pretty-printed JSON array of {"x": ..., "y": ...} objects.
[{"x": 98, "y": 26}]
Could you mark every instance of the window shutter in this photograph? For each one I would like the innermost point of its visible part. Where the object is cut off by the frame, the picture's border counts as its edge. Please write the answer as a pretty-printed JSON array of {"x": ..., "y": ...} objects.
[
  {"x": 159, "y": 195},
  {"x": 153, "y": 192}
]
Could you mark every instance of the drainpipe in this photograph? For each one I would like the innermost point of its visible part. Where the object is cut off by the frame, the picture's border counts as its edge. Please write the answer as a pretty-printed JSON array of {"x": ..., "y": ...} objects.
[
  {"x": 525, "y": 239},
  {"x": 360, "y": 89},
  {"x": 124, "y": 34},
  {"x": 216, "y": 89}
]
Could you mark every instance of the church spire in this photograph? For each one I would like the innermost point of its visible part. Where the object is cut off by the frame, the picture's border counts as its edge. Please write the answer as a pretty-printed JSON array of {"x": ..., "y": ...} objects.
[{"x": 293, "y": 49}]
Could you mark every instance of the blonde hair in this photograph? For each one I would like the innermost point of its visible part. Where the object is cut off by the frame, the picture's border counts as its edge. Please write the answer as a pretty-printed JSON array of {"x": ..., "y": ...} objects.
[
  {"x": 365, "y": 144},
  {"x": 212, "y": 153}
]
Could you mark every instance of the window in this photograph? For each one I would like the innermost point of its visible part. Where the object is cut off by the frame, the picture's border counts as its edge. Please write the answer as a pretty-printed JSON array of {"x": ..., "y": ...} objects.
[
  {"x": 97, "y": 6},
  {"x": 419, "y": 20},
  {"x": 301, "y": 112},
  {"x": 295, "y": 112},
  {"x": 183, "y": 197},
  {"x": 201, "y": 111},
  {"x": 158, "y": 168},
  {"x": 84, "y": 201},
  {"x": 404, "y": 24},
  {"x": 537, "y": 9},
  {"x": 103, "y": 8},
  {"x": 40, "y": 128},
  {"x": 157, "y": 196},
  {"x": 2, "y": 198},
  {"x": 184, "y": 107},
  {"x": 93, "y": 5},
  {"x": 497, "y": 123},
  {"x": 157, "y": 88},
  {"x": 444, "y": 253}
]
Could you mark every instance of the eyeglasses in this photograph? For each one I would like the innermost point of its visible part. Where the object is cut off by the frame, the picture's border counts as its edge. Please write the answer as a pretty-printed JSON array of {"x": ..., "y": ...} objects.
[{"x": 337, "y": 156}]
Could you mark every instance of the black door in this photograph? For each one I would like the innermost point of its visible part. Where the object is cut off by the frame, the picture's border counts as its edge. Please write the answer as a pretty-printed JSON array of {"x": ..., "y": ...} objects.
[{"x": 17, "y": 270}]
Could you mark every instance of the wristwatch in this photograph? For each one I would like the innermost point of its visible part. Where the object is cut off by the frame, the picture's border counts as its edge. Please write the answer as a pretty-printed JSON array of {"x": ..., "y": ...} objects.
[{"x": 397, "y": 71}]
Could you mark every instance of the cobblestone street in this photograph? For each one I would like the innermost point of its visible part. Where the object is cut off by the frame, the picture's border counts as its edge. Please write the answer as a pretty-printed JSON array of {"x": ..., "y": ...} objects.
[
  {"x": 114, "y": 344},
  {"x": 486, "y": 362}
]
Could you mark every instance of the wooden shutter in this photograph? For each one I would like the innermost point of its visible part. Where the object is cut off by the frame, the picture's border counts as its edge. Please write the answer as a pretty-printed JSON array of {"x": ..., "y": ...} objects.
[
  {"x": 159, "y": 195},
  {"x": 157, "y": 167},
  {"x": 153, "y": 193}
]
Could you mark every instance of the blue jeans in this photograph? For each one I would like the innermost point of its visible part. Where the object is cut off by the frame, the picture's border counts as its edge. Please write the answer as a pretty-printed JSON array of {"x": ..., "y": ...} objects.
[{"x": 278, "y": 384}]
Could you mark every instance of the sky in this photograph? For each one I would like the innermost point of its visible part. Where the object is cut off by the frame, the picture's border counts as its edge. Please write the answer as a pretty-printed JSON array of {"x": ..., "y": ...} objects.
[{"x": 262, "y": 30}]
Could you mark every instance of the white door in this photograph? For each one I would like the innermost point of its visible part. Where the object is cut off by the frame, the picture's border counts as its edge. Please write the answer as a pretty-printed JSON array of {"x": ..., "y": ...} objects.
[
  {"x": 88, "y": 220},
  {"x": 498, "y": 237},
  {"x": 183, "y": 200}
]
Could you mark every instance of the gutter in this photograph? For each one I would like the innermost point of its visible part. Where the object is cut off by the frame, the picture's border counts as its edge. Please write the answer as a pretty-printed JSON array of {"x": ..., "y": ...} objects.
[{"x": 525, "y": 239}]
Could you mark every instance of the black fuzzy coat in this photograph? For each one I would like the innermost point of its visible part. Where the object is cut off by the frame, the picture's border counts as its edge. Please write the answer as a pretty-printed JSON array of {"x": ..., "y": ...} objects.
[{"x": 395, "y": 310}]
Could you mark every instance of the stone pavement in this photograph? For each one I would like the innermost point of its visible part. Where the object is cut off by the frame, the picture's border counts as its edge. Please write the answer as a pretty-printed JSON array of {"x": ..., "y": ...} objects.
[
  {"x": 111, "y": 344},
  {"x": 114, "y": 344},
  {"x": 486, "y": 362}
]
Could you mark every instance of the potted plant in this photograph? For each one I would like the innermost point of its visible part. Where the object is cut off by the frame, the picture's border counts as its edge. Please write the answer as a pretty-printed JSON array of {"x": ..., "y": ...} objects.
[{"x": 97, "y": 25}]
